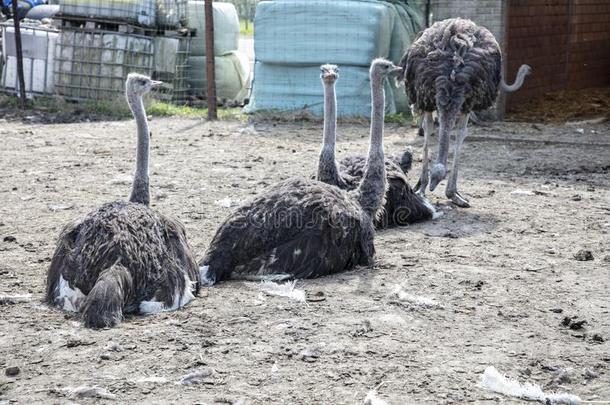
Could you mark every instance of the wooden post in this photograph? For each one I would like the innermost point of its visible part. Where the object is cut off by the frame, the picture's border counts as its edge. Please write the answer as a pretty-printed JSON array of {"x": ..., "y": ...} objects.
[
  {"x": 209, "y": 55},
  {"x": 19, "y": 55}
]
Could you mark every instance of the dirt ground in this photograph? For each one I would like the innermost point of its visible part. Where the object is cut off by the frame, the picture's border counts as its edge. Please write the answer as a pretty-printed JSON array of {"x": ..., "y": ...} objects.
[{"x": 486, "y": 286}]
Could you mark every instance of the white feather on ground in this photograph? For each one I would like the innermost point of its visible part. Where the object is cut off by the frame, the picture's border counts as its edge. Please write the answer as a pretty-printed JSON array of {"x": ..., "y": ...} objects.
[
  {"x": 88, "y": 392},
  {"x": 492, "y": 380},
  {"x": 373, "y": 399},
  {"x": 420, "y": 301},
  {"x": 284, "y": 290},
  {"x": 227, "y": 202},
  {"x": 197, "y": 376},
  {"x": 15, "y": 299},
  {"x": 150, "y": 379}
]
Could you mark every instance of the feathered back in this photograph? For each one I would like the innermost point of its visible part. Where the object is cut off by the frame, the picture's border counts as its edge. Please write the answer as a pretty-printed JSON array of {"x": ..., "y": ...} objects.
[{"x": 453, "y": 64}]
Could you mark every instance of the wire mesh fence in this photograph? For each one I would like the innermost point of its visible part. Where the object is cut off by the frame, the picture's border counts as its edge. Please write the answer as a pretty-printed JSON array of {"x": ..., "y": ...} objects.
[
  {"x": 94, "y": 65},
  {"x": 292, "y": 38},
  {"x": 267, "y": 53},
  {"x": 171, "y": 67}
]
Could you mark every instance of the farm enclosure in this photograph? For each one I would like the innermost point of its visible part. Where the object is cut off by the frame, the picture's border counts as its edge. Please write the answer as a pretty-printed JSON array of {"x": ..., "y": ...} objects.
[{"x": 489, "y": 285}]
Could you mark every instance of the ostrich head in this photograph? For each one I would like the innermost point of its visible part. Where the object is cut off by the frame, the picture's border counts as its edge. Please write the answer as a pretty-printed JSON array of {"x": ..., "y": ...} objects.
[
  {"x": 524, "y": 70},
  {"x": 329, "y": 73},
  {"x": 381, "y": 68},
  {"x": 437, "y": 174},
  {"x": 138, "y": 84}
]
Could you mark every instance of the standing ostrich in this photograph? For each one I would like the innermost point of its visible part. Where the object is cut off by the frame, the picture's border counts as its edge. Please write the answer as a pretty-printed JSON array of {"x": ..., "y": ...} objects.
[
  {"x": 453, "y": 67},
  {"x": 402, "y": 206},
  {"x": 124, "y": 257},
  {"x": 306, "y": 228}
]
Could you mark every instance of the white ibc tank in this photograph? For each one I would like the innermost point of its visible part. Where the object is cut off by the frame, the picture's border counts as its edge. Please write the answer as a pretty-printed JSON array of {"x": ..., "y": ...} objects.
[{"x": 38, "y": 46}]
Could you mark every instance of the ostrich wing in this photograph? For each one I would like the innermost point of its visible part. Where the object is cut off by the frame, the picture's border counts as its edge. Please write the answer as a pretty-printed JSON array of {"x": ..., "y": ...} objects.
[
  {"x": 402, "y": 206},
  {"x": 150, "y": 246},
  {"x": 299, "y": 228}
]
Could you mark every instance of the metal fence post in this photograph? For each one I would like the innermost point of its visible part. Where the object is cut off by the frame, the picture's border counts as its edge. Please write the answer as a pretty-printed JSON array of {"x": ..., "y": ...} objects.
[
  {"x": 19, "y": 54},
  {"x": 210, "y": 65}
]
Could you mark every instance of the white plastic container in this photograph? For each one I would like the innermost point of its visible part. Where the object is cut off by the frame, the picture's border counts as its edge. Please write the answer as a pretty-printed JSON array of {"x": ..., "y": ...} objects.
[
  {"x": 94, "y": 65},
  {"x": 142, "y": 12},
  {"x": 38, "y": 45}
]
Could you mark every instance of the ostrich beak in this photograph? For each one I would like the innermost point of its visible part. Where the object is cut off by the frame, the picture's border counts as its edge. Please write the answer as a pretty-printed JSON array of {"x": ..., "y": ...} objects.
[
  {"x": 156, "y": 83},
  {"x": 395, "y": 70}
]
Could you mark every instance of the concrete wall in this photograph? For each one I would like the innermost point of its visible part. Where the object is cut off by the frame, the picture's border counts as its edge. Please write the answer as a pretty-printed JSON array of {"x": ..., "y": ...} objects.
[{"x": 488, "y": 13}]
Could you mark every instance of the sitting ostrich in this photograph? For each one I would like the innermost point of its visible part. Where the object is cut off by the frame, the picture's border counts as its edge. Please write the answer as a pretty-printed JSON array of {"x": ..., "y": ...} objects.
[
  {"x": 454, "y": 67},
  {"x": 306, "y": 228},
  {"x": 402, "y": 205},
  {"x": 124, "y": 257}
]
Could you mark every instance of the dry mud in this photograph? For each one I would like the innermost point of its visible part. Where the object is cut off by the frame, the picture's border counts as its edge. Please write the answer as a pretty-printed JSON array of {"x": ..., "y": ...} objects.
[{"x": 488, "y": 285}]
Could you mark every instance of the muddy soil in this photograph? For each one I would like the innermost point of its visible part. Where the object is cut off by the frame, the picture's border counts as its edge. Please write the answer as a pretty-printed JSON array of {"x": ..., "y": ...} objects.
[{"x": 491, "y": 285}]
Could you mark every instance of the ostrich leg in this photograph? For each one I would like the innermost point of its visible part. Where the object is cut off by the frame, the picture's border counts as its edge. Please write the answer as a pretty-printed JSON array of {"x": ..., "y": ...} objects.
[
  {"x": 451, "y": 190},
  {"x": 428, "y": 125}
]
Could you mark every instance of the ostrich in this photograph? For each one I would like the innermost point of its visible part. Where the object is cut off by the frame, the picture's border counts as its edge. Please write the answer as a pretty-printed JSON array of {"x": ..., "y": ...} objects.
[
  {"x": 402, "y": 206},
  {"x": 453, "y": 67},
  {"x": 306, "y": 228},
  {"x": 124, "y": 257}
]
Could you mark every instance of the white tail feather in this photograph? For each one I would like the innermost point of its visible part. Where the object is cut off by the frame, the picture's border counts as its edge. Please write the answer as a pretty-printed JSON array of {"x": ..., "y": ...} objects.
[{"x": 492, "y": 380}]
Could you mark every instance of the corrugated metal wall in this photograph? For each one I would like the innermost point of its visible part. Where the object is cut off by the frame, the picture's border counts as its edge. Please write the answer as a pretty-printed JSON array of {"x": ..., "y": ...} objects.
[{"x": 567, "y": 43}]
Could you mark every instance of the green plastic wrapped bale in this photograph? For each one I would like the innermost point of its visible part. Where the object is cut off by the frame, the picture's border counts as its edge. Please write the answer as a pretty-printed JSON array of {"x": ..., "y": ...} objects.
[
  {"x": 290, "y": 89},
  {"x": 232, "y": 76},
  {"x": 320, "y": 31},
  {"x": 226, "y": 28},
  {"x": 409, "y": 21}
]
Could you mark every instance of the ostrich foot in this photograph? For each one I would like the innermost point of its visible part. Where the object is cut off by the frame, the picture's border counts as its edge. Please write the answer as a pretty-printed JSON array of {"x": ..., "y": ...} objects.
[{"x": 458, "y": 200}]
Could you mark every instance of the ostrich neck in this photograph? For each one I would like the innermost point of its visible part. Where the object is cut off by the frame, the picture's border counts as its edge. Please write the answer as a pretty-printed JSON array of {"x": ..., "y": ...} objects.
[
  {"x": 372, "y": 187},
  {"x": 139, "y": 192},
  {"x": 446, "y": 122},
  {"x": 327, "y": 165},
  {"x": 518, "y": 81}
]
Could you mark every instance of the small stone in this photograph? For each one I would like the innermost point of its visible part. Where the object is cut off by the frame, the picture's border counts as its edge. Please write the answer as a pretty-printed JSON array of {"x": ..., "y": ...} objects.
[
  {"x": 597, "y": 338},
  {"x": 556, "y": 310},
  {"x": 590, "y": 374},
  {"x": 10, "y": 239},
  {"x": 607, "y": 259},
  {"x": 583, "y": 255},
  {"x": 308, "y": 355},
  {"x": 114, "y": 347},
  {"x": 573, "y": 323},
  {"x": 316, "y": 296},
  {"x": 576, "y": 197},
  {"x": 12, "y": 371}
]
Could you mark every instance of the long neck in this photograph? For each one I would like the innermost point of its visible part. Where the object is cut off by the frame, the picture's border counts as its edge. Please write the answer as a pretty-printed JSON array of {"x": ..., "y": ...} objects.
[
  {"x": 518, "y": 81},
  {"x": 373, "y": 185},
  {"x": 139, "y": 192},
  {"x": 446, "y": 122},
  {"x": 327, "y": 164}
]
